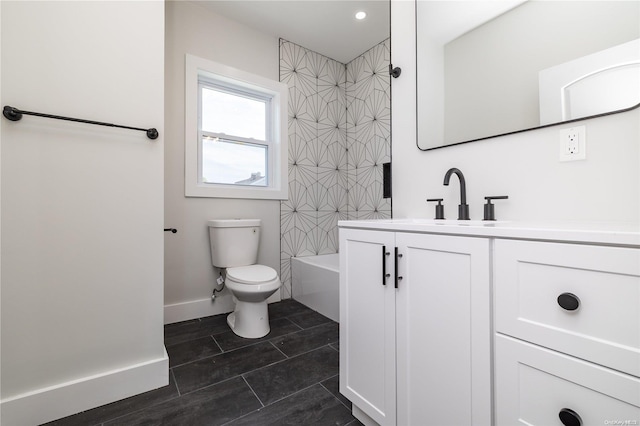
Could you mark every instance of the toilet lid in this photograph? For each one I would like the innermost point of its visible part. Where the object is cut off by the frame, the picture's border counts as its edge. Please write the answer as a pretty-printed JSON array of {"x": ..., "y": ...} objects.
[{"x": 252, "y": 274}]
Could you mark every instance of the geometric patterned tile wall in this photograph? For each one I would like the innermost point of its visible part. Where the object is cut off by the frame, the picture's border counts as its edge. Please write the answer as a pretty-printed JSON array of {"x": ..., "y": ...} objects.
[
  {"x": 338, "y": 139},
  {"x": 368, "y": 132}
]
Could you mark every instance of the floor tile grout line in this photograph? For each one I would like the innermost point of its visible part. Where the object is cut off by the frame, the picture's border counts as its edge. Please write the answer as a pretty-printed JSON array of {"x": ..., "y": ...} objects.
[
  {"x": 268, "y": 405},
  {"x": 252, "y": 391},
  {"x": 196, "y": 337},
  {"x": 264, "y": 366},
  {"x": 141, "y": 408},
  {"x": 218, "y": 354},
  {"x": 310, "y": 350},
  {"x": 289, "y": 319},
  {"x": 208, "y": 386},
  {"x": 295, "y": 393},
  {"x": 286, "y": 359},
  {"x": 315, "y": 326},
  {"x": 328, "y": 321},
  {"x": 337, "y": 399},
  {"x": 262, "y": 341},
  {"x": 180, "y": 395},
  {"x": 232, "y": 377},
  {"x": 200, "y": 320},
  {"x": 254, "y": 370},
  {"x": 175, "y": 382},
  {"x": 217, "y": 344},
  {"x": 250, "y": 388},
  {"x": 179, "y": 325},
  {"x": 194, "y": 359},
  {"x": 300, "y": 331},
  {"x": 278, "y": 349}
]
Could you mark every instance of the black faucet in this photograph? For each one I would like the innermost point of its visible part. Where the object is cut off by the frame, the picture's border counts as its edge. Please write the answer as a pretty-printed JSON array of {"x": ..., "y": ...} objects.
[{"x": 463, "y": 208}]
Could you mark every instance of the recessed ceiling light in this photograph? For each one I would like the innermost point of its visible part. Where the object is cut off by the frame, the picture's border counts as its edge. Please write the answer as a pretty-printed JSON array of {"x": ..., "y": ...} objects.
[{"x": 361, "y": 15}]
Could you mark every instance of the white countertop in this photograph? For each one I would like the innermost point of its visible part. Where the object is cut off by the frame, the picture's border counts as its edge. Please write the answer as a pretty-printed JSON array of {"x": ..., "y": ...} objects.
[{"x": 579, "y": 232}]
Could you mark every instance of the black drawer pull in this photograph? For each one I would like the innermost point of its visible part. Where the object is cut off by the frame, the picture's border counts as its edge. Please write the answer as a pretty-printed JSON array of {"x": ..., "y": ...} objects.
[
  {"x": 384, "y": 265},
  {"x": 569, "y": 301},
  {"x": 397, "y": 256},
  {"x": 568, "y": 417}
]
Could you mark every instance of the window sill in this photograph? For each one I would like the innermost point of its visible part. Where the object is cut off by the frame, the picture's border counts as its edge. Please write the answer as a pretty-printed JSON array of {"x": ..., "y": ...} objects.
[{"x": 244, "y": 192}]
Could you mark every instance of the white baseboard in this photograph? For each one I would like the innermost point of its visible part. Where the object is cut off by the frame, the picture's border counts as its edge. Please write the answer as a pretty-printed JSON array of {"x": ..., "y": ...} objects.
[
  {"x": 198, "y": 308},
  {"x": 204, "y": 307},
  {"x": 54, "y": 402}
]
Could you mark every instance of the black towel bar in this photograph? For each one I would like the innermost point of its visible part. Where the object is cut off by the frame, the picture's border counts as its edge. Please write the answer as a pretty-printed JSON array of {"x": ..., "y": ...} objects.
[{"x": 14, "y": 114}]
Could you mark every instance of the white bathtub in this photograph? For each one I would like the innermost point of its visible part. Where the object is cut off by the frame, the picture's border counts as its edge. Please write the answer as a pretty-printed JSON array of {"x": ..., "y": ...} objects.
[{"x": 315, "y": 282}]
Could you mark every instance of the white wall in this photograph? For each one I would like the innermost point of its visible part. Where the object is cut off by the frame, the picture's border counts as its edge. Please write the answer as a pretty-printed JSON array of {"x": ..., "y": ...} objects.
[
  {"x": 604, "y": 187},
  {"x": 189, "y": 275},
  {"x": 82, "y": 244}
]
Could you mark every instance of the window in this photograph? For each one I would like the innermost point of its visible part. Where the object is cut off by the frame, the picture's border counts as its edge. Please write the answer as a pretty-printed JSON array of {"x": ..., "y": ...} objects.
[{"x": 235, "y": 130}]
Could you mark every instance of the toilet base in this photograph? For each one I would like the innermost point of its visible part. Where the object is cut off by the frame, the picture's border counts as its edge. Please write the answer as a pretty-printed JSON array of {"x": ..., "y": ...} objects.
[{"x": 250, "y": 319}]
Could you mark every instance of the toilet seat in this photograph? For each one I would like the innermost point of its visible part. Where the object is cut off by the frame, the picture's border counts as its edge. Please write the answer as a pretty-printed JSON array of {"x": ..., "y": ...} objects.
[{"x": 252, "y": 274}]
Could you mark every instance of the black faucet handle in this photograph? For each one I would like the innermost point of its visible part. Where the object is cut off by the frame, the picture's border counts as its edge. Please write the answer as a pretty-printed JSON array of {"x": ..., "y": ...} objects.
[
  {"x": 489, "y": 209},
  {"x": 439, "y": 207}
]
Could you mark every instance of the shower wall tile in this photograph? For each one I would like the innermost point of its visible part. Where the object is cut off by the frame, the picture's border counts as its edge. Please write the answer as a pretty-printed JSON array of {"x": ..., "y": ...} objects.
[
  {"x": 368, "y": 132},
  {"x": 339, "y": 122}
]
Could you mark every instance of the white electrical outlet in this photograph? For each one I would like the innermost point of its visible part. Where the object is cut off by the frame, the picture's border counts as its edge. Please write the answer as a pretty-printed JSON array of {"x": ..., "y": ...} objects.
[{"x": 573, "y": 143}]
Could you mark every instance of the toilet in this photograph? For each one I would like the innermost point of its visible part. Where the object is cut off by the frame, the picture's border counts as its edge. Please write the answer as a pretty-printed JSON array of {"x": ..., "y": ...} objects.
[{"x": 234, "y": 248}]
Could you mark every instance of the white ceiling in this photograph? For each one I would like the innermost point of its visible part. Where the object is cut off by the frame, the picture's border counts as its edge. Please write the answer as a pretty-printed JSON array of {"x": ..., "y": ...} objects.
[
  {"x": 444, "y": 21},
  {"x": 324, "y": 26}
]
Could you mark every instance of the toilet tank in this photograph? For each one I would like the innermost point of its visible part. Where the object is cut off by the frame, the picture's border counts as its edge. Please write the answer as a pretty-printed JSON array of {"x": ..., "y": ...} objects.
[{"x": 234, "y": 242}]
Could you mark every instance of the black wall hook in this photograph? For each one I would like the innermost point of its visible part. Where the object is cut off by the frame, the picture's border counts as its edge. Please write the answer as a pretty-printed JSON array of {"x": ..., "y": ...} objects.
[
  {"x": 11, "y": 113},
  {"x": 395, "y": 72}
]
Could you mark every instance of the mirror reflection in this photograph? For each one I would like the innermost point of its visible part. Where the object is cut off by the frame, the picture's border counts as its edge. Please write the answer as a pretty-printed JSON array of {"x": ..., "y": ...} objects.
[{"x": 487, "y": 68}]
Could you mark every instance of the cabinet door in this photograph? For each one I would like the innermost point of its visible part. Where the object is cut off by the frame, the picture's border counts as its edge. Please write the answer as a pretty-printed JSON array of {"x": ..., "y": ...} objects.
[
  {"x": 367, "y": 323},
  {"x": 443, "y": 330}
]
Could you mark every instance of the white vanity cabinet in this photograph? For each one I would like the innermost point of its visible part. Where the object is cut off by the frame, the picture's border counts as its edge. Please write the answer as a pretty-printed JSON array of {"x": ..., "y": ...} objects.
[
  {"x": 415, "y": 335},
  {"x": 490, "y": 323},
  {"x": 567, "y": 322}
]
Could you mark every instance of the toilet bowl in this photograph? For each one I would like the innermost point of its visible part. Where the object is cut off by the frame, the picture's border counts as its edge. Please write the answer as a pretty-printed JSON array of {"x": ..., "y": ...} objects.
[
  {"x": 251, "y": 286},
  {"x": 234, "y": 249}
]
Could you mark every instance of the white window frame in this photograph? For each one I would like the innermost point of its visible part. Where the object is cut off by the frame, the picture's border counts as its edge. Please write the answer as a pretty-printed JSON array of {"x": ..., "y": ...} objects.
[{"x": 222, "y": 75}]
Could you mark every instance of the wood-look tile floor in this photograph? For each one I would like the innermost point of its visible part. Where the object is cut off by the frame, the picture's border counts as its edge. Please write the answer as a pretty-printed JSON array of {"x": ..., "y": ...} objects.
[{"x": 289, "y": 377}]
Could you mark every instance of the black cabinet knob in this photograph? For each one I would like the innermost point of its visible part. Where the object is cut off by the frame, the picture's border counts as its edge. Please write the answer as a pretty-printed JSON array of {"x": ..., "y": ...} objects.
[
  {"x": 569, "y": 301},
  {"x": 568, "y": 417}
]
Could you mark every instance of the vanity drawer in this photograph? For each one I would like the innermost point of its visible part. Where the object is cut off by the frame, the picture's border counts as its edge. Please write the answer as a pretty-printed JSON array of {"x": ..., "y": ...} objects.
[
  {"x": 605, "y": 328},
  {"x": 533, "y": 385}
]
